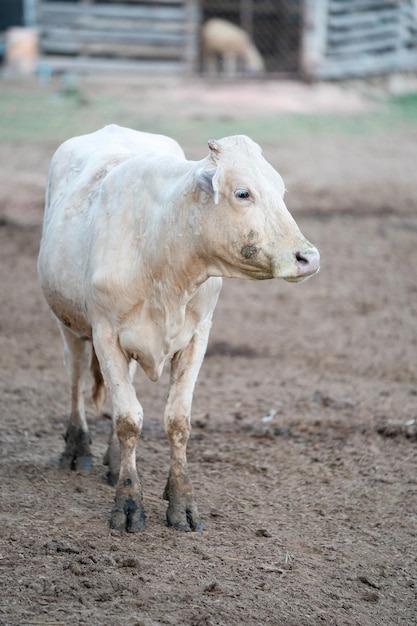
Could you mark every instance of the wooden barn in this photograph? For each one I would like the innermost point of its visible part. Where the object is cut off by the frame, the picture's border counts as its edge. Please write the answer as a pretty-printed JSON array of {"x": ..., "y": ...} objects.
[
  {"x": 142, "y": 35},
  {"x": 316, "y": 39},
  {"x": 344, "y": 38}
]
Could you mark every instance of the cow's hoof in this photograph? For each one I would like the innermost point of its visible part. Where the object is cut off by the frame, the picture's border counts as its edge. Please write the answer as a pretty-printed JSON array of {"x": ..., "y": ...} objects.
[
  {"x": 185, "y": 520},
  {"x": 77, "y": 455},
  {"x": 182, "y": 512},
  {"x": 112, "y": 478},
  {"x": 128, "y": 516},
  {"x": 74, "y": 462}
]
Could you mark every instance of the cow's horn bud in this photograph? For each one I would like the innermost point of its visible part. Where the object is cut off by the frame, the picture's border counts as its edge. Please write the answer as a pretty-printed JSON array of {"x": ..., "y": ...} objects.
[{"x": 214, "y": 145}]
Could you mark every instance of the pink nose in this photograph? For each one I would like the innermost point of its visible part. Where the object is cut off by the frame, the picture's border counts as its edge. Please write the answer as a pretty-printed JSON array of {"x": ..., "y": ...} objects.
[{"x": 308, "y": 261}]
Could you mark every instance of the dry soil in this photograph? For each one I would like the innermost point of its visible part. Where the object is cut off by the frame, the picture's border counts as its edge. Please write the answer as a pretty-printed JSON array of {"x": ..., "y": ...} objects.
[{"x": 303, "y": 450}]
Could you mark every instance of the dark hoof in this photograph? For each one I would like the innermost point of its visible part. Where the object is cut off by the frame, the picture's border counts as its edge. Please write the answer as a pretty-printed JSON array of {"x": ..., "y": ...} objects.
[
  {"x": 112, "y": 478},
  {"x": 128, "y": 515},
  {"x": 197, "y": 527},
  {"x": 77, "y": 455},
  {"x": 186, "y": 521},
  {"x": 182, "y": 512},
  {"x": 76, "y": 463}
]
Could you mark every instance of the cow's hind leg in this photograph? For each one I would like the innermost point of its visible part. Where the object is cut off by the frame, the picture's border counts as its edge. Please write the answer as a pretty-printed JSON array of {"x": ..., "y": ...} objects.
[
  {"x": 182, "y": 512},
  {"x": 77, "y": 454}
]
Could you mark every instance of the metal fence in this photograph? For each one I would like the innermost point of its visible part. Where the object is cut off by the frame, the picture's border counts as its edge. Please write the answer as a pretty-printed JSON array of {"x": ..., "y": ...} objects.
[{"x": 274, "y": 25}]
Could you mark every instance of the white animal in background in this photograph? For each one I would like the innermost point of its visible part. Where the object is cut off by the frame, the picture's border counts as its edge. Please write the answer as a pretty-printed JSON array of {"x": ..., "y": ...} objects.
[
  {"x": 135, "y": 241},
  {"x": 225, "y": 42}
]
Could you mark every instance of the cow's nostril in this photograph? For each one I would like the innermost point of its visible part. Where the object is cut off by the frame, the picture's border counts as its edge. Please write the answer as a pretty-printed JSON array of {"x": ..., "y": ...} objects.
[
  {"x": 307, "y": 261},
  {"x": 301, "y": 258}
]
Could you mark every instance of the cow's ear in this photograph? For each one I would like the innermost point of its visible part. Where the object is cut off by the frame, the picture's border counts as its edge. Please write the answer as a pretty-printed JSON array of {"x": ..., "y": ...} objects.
[{"x": 207, "y": 181}]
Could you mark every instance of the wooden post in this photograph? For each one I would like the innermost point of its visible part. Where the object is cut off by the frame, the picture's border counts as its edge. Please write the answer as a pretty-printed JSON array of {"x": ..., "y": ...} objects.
[
  {"x": 191, "y": 36},
  {"x": 29, "y": 13},
  {"x": 313, "y": 38}
]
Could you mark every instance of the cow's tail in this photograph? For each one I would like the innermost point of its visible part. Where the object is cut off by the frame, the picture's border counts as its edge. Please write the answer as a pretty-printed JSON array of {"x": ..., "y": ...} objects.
[{"x": 99, "y": 391}]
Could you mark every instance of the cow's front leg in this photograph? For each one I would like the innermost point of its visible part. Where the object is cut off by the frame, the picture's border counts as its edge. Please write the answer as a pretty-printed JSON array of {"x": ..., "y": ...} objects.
[
  {"x": 182, "y": 512},
  {"x": 112, "y": 455},
  {"x": 128, "y": 512}
]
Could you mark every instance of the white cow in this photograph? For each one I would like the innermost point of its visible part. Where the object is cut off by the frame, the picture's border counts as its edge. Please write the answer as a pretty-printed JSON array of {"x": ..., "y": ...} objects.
[
  {"x": 224, "y": 41},
  {"x": 135, "y": 242}
]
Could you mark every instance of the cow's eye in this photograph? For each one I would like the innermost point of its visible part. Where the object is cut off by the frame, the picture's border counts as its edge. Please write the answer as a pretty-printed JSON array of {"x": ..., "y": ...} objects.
[{"x": 242, "y": 194}]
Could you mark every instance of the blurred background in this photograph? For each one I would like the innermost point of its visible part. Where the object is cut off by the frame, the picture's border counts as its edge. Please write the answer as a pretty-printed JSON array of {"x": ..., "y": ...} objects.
[
  {"x": 309, "y": 38},
  {"x": 302, "y": 77}
]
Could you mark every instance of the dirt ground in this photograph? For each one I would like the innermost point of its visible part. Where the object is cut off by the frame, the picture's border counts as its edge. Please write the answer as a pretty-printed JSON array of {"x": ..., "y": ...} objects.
[{"x": 303, "y": 451}]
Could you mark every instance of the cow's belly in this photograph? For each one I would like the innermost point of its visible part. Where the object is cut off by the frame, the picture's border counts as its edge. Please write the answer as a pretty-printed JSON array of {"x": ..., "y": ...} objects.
[{"x": 69, "y": 312}]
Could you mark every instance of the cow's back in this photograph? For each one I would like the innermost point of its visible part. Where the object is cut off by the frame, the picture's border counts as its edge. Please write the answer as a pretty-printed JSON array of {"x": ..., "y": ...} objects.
[{"x": 81, "y": 163}]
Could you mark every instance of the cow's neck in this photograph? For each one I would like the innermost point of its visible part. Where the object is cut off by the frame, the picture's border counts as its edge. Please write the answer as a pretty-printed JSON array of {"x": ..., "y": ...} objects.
[{"x": 176, "y": 259}]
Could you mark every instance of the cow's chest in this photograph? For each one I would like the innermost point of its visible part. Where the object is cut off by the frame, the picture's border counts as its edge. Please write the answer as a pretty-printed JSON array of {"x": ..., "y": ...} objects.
[{"x": 152, "y": 335}]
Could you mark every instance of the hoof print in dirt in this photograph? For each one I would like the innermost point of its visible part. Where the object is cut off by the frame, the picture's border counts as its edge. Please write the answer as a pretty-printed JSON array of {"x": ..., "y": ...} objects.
[{"x": 398, "y": 429}]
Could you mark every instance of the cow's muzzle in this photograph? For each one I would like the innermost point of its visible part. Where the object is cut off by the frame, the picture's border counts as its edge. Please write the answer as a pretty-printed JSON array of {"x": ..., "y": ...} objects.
[
  {"x": 298, "y": 264},
  {"x": 307, "y": 263}
]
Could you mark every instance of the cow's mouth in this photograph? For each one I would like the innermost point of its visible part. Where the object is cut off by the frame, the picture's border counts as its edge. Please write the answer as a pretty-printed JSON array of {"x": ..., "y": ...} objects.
[{"x": 299, "y": 279}]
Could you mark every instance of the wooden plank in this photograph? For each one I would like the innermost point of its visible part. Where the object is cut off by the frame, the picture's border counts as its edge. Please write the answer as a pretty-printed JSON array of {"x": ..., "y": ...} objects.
[
  {"x": 349, "y": 50},
  {"x": 104, "y": 49},
  {"x": 145, "y": 2},
  {"x": 353, "y": 6},
  {"x": 59, "y": 46},
  {"x": 377, "y": 31},
  {"x": 120, "y": 36},
  {"x": 64, "y": 11},
  {"x": 357, "y": 20},
  {"x": 367, "y": 66},
  {"x": 94, "y": 65},
  {"x": 108, "y": 25},
  {"x": 126, "y": 51}
]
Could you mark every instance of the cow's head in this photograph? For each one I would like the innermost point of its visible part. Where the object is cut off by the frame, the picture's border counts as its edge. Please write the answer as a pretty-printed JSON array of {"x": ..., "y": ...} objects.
[{"x": 253, "y": 233}]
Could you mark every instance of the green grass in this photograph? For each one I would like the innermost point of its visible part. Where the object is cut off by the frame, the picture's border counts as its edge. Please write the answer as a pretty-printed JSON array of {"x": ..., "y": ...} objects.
[
  {"x": 36, "y": 114},
  {"x": 51, "y": 117}
]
